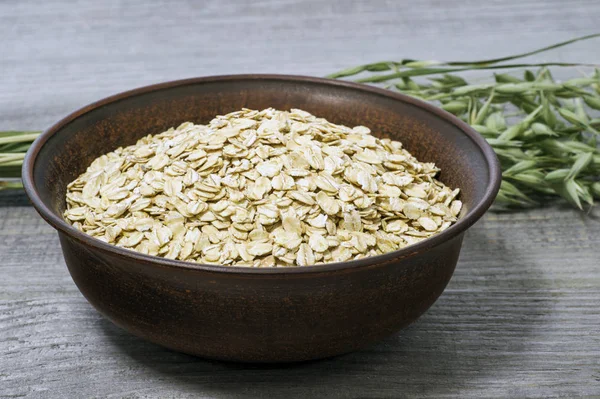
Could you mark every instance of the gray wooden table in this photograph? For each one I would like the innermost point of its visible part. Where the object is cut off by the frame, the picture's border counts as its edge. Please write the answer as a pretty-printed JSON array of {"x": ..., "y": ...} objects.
[{"x": 521, "y": 316}]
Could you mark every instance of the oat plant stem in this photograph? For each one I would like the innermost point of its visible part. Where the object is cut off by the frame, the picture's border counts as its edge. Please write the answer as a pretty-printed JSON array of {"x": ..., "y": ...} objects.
[{"x": 544, "y": 131}]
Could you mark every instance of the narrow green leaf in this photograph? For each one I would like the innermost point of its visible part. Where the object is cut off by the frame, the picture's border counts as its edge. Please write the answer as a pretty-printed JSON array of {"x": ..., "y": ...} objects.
[
  {"x": 584, "y": 193},
  {"x": 448, "y": 81},
  {"x": 568, "y": 91},
  {"x": 496, "y": 121},
  {"x": 506, "y": 78},
  {"x": 464, "y": 90},
  {"x": 10, "y": 164},
  {"x": 13, "y": 133},
  {"x": 407, "y": 73},
  {"x": 455, "y": 107},
  {"x": 575, "y": 119},
  {"x": 436, "y": 71},
  {"x": 510, "y": 153},
  {"x": 498, "y": 144},
  {"x": 483, "y": 112},
  {"x": 514, "y": 88},
  {"x": 581, "y": 162},
  {"x": 400, "y": 85},
  {"x": 9, "y": 157},
  {"x": 18, "y": 138},
  {"x": 440, "y": 85},
  {"x": 512, "y": 132},
  {"x": 569, "y": 191},
  {"x": 529, "y": 76},
  {"x": 541, "y": 129},
  {"x": 519, "y": 167},
  {"x": 592, "y": 101},
  {"x": 422, "y": 64},
  {"x": 522, "y": 55},
  {"x": 544, "y": 74},
  {"x": 581, "y": 81},
  {"x": 485, "y": 130},
  {"x": 595, "y": 189},
  {"x": 557, "y": 176},
  {"x": 578, "y": 146},
  {"x": 15, "y": 147},
  {"x": 347, "y": 72},
  {"x": 4, "y": 185},
  {"x": 516, "y": 130},
  {"x": 533, "y": 179},
  {"x": 504, "y": 198},
  {"x": 473, "y": 109},
  {"x": 380, "y": 66},
  {"x": 524, "y": 103},
  {"x": 570, "y": 116},
  {"x": 548, "y": 87},
  {"x": 580, "y": 111},
  {"x": 547, "y": 115},
  {"x": 376, "y": 67},
  {"x": 511, "y": 190},
  {"x": 455, "y": 80}
]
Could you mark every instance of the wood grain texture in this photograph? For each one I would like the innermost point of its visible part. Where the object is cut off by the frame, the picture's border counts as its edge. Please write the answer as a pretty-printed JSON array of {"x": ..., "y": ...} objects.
[{"x": 520, "y": 317}]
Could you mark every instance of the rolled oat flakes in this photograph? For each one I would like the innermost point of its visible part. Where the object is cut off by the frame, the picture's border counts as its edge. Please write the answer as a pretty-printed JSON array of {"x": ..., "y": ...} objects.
[{"x": 261, "y": 189}]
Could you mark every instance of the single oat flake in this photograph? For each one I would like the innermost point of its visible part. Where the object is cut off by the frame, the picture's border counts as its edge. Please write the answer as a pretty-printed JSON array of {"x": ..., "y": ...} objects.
[{"x": 261, "y": 189}]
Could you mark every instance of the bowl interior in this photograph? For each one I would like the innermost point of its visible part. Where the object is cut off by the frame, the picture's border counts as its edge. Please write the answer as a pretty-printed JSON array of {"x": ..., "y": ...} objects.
[{"x": 121, "y": 120}]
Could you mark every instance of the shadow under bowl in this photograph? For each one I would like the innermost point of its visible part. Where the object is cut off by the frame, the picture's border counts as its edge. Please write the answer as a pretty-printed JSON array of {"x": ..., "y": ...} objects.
[{"x": 248, "y": 314}]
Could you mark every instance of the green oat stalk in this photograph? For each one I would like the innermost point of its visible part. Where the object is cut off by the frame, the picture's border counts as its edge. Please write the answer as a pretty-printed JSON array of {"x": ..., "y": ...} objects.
[{"x": 547, "y": 148}]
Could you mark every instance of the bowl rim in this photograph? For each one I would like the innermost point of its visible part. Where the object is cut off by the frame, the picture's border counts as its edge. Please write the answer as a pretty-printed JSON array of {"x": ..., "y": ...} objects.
[{"x": 456, "y": 229}]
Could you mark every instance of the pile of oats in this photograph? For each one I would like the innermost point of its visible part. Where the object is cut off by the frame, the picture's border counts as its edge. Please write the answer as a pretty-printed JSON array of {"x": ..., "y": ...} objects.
[{"x": 261, "y": 189}]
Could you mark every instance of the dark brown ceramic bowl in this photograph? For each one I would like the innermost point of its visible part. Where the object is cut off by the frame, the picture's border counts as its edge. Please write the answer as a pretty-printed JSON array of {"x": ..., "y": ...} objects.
[{"x": 260, "y": 315}]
